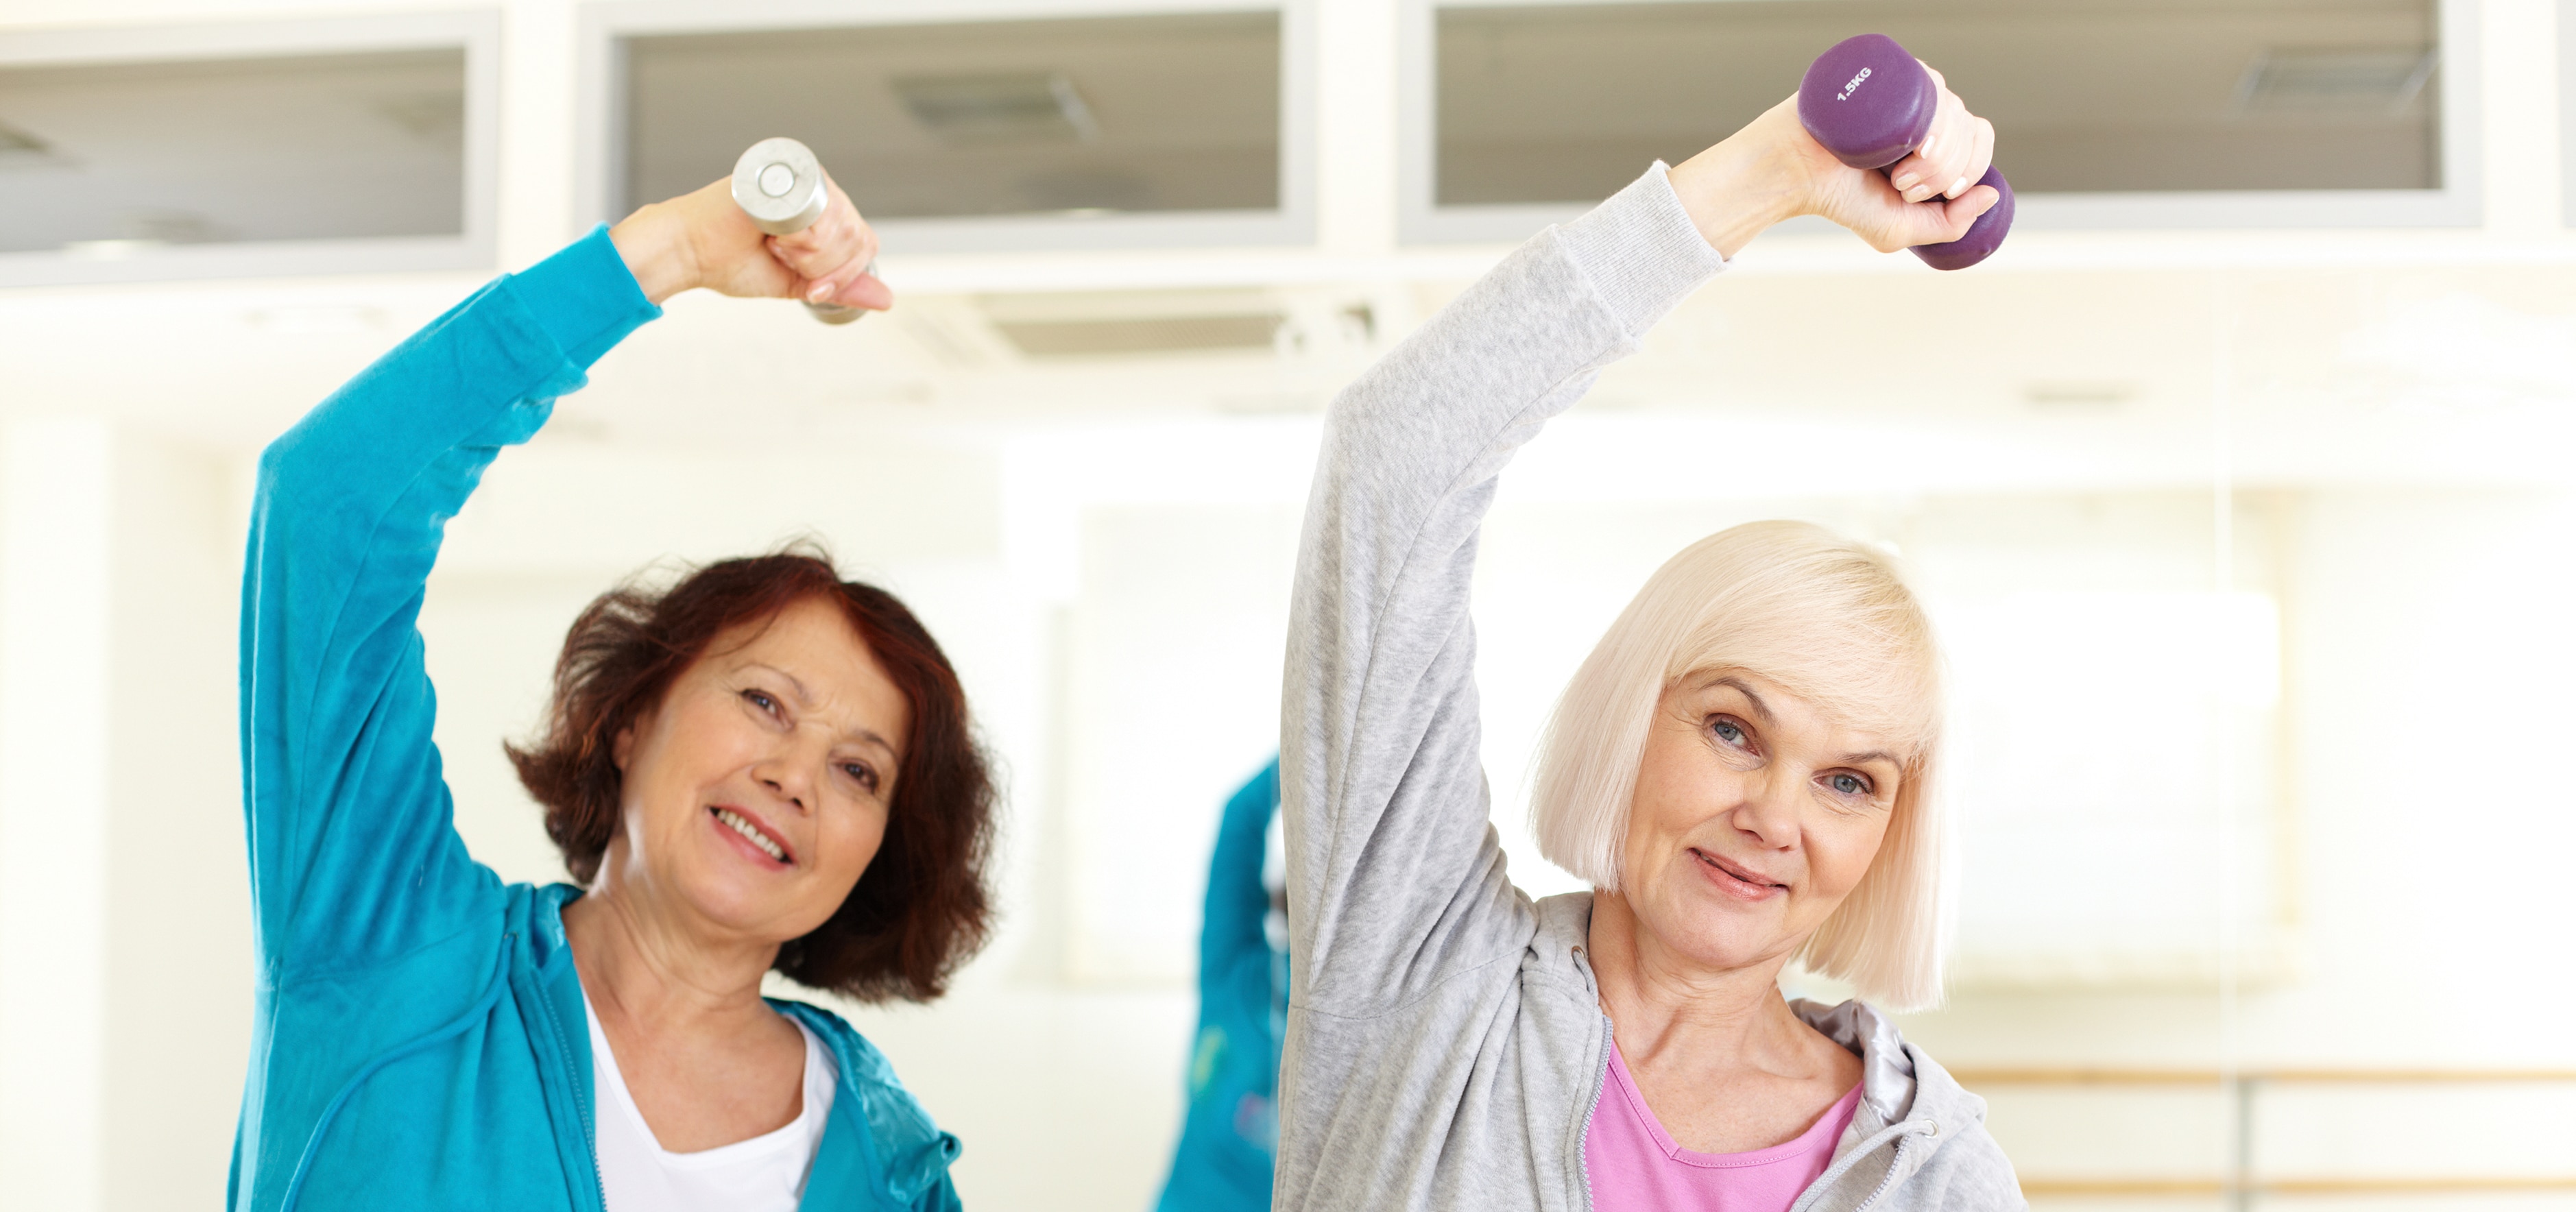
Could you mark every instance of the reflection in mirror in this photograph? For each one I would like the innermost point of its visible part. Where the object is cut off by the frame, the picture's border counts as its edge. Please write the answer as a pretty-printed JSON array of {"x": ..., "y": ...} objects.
[{"x": 112, "y": 160}]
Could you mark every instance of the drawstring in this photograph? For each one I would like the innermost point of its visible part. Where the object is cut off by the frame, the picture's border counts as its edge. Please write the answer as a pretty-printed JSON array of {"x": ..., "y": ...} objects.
[{"x": 313, "y": 1143}]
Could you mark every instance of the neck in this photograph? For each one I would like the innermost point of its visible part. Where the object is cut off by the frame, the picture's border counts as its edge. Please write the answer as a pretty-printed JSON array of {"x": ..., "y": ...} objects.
[
  {"x": 1668, "y": 1005},
  {"x": 649, "y": 973}
]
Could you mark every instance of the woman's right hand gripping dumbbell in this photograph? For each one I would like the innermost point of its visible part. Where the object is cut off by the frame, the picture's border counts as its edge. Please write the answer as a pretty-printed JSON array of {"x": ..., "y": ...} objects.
[
  {"x": 1773, "y": 170},
  {"x": 703, "y": 238}
]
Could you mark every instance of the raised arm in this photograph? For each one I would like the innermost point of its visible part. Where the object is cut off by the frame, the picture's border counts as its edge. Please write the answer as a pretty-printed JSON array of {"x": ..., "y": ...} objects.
[
  {"x": 1234, "y": 950},
  {"x": 1396, "y": 879},
  {"x": 353, "y": 852}
]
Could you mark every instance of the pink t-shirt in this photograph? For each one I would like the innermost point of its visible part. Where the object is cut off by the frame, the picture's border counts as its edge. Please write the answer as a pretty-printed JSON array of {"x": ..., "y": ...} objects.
[{"x": 1634, "y": 1164}]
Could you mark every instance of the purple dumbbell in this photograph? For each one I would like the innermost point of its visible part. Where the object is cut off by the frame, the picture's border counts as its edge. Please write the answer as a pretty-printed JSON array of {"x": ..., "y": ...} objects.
[{"x": 1870, "y": 104}]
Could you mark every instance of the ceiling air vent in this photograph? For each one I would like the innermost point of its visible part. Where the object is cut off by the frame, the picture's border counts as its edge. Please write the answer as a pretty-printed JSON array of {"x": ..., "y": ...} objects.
[
  {"x": 1143, "y": 335},
  {"x": 998, "y": 110},
  {"x": 1135, "y": 323},
  {"x": 2372, "y": 81}
]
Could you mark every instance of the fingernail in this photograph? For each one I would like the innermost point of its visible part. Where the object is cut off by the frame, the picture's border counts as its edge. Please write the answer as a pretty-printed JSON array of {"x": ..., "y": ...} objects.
[
  {"x": 1918, "y": 193},
  {"x": 1957, "y": 187},
  {"x": 1907, "y": 180},
  {"x": 818, "y": 292},
  {"x": 1928, "y": 141}
]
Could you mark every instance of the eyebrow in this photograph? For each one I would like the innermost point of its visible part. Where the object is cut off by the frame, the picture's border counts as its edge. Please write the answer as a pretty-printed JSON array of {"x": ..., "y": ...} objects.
[
  {"x": 1763, "y": 710},
  {"x": 805, "y": 697},
  {"x": 1760, "y": 708}
]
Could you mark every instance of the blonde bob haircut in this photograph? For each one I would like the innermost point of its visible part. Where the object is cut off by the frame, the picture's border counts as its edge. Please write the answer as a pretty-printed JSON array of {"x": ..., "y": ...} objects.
[{"x": 1823, "y": 618}]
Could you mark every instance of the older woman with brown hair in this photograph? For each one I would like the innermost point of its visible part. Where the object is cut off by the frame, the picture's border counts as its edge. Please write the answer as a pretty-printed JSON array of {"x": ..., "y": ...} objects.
[{"x": 761, "y": 768}]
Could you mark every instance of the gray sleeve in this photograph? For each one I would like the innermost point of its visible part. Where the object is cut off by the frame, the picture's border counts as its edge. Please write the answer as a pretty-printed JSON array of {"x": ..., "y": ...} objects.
[{"x": 1395, "y": 877}]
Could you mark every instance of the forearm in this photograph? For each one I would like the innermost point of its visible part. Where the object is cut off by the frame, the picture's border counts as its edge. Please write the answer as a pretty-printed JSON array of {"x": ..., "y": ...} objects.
[
  {"x": 1735, "y": 191},
  {"x": 509, "y": 348},
  {"x": 1236, "y": 902},
  {"x": 654, "y": 244}
]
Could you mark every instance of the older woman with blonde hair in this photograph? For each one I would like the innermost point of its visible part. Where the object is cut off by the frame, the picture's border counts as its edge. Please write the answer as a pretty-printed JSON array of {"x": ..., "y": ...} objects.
[{"x": 1741, "y": 769}]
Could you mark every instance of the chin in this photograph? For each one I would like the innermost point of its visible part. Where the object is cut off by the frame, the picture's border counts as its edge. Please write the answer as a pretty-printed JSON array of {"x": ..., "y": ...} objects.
[
  {"x": 736, "y": 905},
  {"x": 1717, "y": 933}
]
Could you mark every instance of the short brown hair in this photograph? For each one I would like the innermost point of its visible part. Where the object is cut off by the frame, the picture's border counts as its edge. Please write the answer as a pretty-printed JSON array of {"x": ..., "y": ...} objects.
[{"x": 921, "y": 908}]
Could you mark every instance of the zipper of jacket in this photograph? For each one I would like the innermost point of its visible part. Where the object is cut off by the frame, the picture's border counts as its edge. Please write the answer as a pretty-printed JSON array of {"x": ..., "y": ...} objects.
[
  {"x": 1893, "y": 1164},
  {"x": 331, "y": 1110},
  {"x": 581, "y": 1106},
  {"x": 1600, "y": 1078}
]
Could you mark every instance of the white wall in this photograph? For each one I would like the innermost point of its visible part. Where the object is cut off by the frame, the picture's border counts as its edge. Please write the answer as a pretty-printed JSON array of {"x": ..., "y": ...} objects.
[{"x": 125, "y": 955}]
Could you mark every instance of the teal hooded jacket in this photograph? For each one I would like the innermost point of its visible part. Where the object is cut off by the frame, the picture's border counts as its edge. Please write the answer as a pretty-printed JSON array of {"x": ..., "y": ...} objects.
[{"x": 419, "y": 1039}]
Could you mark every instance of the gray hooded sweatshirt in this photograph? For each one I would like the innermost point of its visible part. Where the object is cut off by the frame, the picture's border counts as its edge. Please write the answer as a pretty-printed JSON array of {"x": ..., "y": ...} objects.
[{"x": 1446, "y": 1046}]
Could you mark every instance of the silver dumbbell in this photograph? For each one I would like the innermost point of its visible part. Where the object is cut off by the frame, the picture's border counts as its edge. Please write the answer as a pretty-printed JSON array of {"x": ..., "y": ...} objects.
[{"x": 780, "y": 185}]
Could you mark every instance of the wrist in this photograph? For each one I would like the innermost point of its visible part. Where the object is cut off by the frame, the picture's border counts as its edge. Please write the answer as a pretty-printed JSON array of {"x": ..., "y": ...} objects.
[
  {"x": 1733, "y": 191},
  {"x": 655, "y": 246}
]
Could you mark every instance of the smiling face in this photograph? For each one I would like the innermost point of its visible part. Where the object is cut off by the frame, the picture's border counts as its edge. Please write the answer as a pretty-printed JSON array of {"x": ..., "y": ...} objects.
[
  {"x": 756, "y": 792},
  {"x": 1755, "y": 815}
]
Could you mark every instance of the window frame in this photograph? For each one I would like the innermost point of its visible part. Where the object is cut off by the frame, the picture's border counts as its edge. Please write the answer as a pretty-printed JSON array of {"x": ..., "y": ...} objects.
[
  {"x": 600, "y": 136},
  {"x": 2567, "y": 111},
  {"x": 2459, "y": 203},
  {"x": 477, "y": 32}
]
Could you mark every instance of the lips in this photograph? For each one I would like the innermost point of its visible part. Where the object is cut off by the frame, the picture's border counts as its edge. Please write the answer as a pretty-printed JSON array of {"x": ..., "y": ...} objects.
[
  {"x": 1736, "y": 879},
  {"x": 750, "y": 829}
]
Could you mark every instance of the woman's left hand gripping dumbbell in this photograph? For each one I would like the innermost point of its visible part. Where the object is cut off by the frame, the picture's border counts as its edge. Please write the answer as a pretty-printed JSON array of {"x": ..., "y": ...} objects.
[
  {"x": 703, "y": 238},
  {"x": 1773, "y": 170}
]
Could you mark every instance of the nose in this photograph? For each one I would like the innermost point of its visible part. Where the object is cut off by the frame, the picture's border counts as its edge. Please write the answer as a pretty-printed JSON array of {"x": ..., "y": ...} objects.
[
  {"x": 1769, "y": 814},
  {"x": 785, "y": 772}
]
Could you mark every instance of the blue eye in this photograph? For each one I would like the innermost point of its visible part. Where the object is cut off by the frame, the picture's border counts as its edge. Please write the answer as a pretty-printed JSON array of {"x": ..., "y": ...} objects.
[
  {"x": 1850, "y": 784},
  {"x": 1727, "y": 731}
]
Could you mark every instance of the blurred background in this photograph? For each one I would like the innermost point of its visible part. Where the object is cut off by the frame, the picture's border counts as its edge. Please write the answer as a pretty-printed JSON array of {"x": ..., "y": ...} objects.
[{"x": 2242, "y": 483}]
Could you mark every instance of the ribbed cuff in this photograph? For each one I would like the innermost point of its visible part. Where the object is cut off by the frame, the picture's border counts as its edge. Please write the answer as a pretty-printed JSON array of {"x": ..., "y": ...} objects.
[
  {"x": 1641, "y": 251},
  {"x": 584, "y": 297}
]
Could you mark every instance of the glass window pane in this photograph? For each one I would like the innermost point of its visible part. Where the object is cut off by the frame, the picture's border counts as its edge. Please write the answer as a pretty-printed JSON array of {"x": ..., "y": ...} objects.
[
  {"x": 1130, "y": 114},
  {"x": 111, "y": 158},
  {"x": 1564, "y": 103}
]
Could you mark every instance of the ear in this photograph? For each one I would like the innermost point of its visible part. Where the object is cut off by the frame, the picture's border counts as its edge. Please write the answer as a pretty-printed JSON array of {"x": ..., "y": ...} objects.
[{"x": 621, "y": 748}]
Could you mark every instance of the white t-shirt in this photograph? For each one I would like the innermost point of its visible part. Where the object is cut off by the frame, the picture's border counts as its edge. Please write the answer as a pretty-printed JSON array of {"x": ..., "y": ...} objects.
[{"x": 763, "y": 1174}]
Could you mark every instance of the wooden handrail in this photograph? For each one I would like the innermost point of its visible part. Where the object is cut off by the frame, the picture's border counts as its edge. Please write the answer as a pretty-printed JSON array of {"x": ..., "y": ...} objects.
[
  {"x": 2245, "y": 1083},
  {"x": 2040, "y": 1188},
  {"x": 2101, "y": 1076}
]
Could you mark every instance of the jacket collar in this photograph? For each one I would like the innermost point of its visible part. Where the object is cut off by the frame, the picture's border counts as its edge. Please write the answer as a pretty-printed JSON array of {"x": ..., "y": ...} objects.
[
  {"x": 879, "y": 1147},
  {"x": 1909, "y": 1107}
]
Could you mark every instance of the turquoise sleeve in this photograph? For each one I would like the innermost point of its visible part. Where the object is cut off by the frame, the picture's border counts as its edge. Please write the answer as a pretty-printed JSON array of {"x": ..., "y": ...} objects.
[
  {"x": 1234, "y": 949},
  {"x": 353, "y": 852}
]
